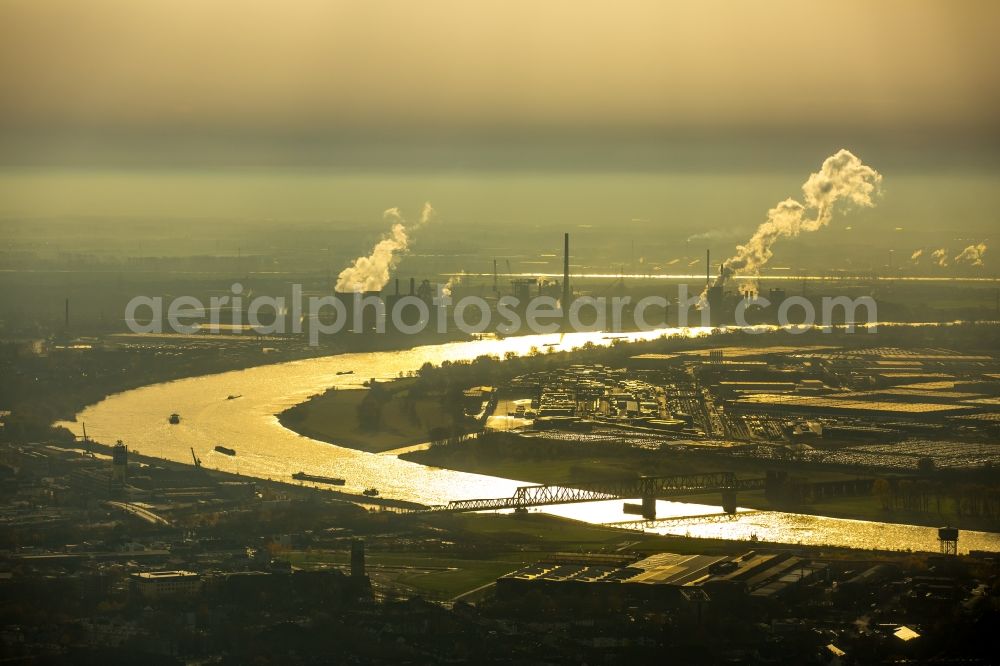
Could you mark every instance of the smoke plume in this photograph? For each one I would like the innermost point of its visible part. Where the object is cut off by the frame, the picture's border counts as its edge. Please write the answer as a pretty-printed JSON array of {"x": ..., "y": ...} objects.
[
  {"x": 972, "y": 254},
  {"x": 426, "y": 213},
  {"x": 940, "y": 257},
  {"x": 915, "y": 257},
  {"x": 452, "y": 282},
  {"x": 371, "y": 272},
  {"x": 843, "y": 177}
]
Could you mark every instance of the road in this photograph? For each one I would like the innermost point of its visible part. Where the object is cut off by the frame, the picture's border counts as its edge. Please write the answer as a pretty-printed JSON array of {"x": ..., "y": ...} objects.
[{"x": 140, "y": 512}]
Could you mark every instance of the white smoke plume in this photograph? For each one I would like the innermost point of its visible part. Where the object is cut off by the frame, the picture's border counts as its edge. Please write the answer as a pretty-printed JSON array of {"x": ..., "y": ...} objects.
[
  {"x": 843, "y": 177},
  {"x": 972, "y": 254},
  {"x": 940, "y": 257},
  {"x": 694, "y": 262},
  {"x": 371, "y": 272},
  {"x": 426, "y": 213},
  {"x": 713, "y": 235},
  {"x": 452, "y": 282},
  {"x": 915, "y": 257}
]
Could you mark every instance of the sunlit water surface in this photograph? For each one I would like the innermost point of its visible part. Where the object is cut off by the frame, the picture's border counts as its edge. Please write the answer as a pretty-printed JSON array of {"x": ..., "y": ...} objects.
[{"x": 265, "y": 449}]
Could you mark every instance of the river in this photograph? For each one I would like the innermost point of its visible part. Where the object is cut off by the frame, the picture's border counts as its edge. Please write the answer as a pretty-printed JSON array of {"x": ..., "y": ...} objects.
[{"x": 265, "y": 449}]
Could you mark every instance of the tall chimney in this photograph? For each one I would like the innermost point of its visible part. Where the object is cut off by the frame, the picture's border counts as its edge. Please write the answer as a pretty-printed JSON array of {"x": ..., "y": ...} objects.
[
  {"x": 565, "y": 296},
  {"x": 413, "y": 286},
  {"x": 357, "y": 559},
  {"x": 66, "y": 315},
  {"x": 708, "y": 267}
]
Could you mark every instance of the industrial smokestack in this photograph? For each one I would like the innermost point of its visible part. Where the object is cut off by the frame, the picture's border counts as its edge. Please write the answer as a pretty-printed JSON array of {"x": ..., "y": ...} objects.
[
  {"x": 413, "y": 286},
  {"x": 565, "y": 298},
  {"x": 66, "y": 315},
  {"x": 708, "y": 267},
  {"x": 357, "y": 559}
]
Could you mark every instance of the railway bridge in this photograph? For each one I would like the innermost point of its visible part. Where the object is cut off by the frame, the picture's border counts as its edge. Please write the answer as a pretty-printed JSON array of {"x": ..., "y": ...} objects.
[{"x": 647, "y": 488}]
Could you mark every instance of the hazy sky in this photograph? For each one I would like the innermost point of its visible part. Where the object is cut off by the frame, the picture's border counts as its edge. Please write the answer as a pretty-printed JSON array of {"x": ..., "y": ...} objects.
[
  {"x": 80, "y": 75},
  {"x": 687, "y": 117}
]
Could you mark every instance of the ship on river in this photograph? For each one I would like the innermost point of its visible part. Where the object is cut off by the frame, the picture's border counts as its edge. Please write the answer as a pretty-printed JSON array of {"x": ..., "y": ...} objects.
[
  {"x": 225, "y": 450},
  {"x": 316, "y": 478}
]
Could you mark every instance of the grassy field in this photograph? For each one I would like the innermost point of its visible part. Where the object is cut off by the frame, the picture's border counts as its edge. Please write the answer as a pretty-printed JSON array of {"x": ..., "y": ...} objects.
[
  {"x": 426, "y": 574},
  {"x": 547, "y": 461},
  {"x": 495, "y": 545},
  {"x": 334, "y": 417}
]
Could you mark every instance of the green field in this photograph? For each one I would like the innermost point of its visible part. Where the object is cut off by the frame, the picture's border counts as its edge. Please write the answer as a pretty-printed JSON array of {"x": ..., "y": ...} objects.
[
  {"x": 429, "y": 575},
  {"x": 557, "y": 462},
  {"x": 493, "y": 545},
  {"x": 405, "y": 419}
]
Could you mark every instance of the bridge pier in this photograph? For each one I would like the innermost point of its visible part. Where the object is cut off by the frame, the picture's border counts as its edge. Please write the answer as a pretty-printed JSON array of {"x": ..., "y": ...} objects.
[
  {"x": 649, "y": 508},
  {"x": 729, "y": 501}
]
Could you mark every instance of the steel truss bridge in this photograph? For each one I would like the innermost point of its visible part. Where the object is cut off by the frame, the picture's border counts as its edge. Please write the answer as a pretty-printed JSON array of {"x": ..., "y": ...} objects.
[{"x": 648, "y": 488}]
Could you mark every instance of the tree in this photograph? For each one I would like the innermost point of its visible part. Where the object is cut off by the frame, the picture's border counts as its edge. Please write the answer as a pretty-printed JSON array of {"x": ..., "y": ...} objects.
[{"x": 370, "y": 411}]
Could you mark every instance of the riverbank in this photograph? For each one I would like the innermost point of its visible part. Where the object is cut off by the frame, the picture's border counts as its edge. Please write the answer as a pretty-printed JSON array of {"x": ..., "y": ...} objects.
[
  {"x": 561, "y": 463},
  {"x": 482, "y": 547},
  {"x": 49, "y": 380},
  {"x": 386, "y": 416},
  {"x": 57, "y": 385},
  {"x": 289, "y": 486},
  {"x": 268, "y": 450},
  {"x": 40, "y": 389}
]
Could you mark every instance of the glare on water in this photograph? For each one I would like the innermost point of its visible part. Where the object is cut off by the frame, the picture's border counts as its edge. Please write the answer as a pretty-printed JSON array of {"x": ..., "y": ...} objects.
[{"x": 265, "y": 449}]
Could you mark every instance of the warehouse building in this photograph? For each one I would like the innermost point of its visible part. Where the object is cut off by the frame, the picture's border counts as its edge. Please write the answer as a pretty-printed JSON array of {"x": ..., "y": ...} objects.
[
  {"x": 166, "y": 584},
  {"x": 666, "y": 578},
  {"x": 849, "y": 404}
]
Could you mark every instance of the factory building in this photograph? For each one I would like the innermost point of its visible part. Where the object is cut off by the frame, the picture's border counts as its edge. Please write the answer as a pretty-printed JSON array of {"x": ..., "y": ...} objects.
[
  {"x": 848, "y": 404},
  {"x": 666, "y": 579},
  {"x": 152, "y": 585}
]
